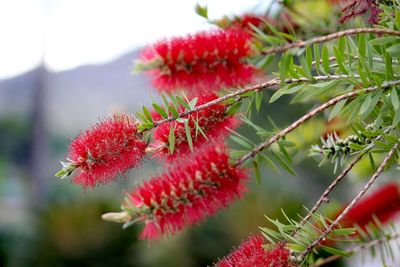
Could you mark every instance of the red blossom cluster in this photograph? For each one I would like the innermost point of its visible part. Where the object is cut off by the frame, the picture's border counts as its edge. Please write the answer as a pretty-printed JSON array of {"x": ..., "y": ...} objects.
[
  {"x": 106, "y": 150},
  {"x": 203, "y": 62},
  {"x": 283, "y": 22},
  {"x": 213, "y": 123},
  {"x": 252, "y": 254},
  {"x": 384, "y": 203},
  {"x": 186, "y": 194},
  {"x": 354, "y": 8}
]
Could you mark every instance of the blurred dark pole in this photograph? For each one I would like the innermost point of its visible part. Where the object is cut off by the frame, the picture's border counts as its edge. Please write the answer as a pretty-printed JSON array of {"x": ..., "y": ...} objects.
[{"x": 39, "y": 142}]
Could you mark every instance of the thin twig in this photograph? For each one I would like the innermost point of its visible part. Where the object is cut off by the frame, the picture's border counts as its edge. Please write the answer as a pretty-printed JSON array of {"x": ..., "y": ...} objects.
[
  {"x": 308, "y": 116},
  {"x": 323, "y": 197},
  {"x": 359, "y": 248},
  {"x": 335, "y": 182},
  {"x": 353, "y": 202},
  {"x": 328, "y": 37},
  {"x": 254, "y": 88}
]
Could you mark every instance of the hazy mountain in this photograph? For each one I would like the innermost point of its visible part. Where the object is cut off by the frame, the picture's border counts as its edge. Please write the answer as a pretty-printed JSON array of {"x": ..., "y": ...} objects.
[{"x": 77, "y": 98}]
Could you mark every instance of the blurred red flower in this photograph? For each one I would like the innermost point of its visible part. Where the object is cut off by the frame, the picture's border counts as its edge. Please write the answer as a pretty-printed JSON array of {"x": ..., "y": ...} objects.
[{"x": 384, "y": 203}]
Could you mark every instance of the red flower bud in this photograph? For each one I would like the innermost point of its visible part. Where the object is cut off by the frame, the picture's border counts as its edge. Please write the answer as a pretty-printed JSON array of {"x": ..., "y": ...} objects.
[
  {"x": 186, "y": 194},
  {"x": 204, "y": 62},
  {"x": 106, "y": 150},
  {"x": 252, "y": 254},
  {"x": 213, "y": 122}
]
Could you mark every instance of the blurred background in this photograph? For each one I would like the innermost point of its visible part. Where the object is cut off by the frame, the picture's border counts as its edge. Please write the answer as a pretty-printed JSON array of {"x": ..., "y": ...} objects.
[{"x": 65, "y": 65}]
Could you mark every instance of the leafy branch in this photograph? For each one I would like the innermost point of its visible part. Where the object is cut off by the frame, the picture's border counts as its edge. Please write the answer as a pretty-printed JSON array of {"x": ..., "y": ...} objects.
[
  {"x": 255, "y": 88},
  {"x": 309, "y": 115},
  {"x": 358, "y": 248},
  {"x": 332, "y": 226},
  {"x": 329, "y": 37}
]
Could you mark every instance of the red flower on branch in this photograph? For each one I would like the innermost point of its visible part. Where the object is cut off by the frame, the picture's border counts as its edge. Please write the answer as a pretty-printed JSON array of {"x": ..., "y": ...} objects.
[
  {"x": 384, "y": 203},
  {"x": 106, "y": 150},
  {"x": 204, "y": 62},
  {"x": 252, "y": 254},
  {"x": 212, "y": 121},
  {"x": 187, "y": 194},
  {"x": 283, "y": 22}
]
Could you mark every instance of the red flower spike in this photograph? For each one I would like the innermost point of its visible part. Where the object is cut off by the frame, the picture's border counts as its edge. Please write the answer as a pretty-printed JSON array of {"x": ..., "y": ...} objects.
[
  {"x": 106, "y": 150},
  {"x": 186, "y": 195},
  {"x": 251, "y": 254},
  {"x": 213, "y": 122},
  {"x": 384, "y": 203},
  {"x": 204, "y": 62}
]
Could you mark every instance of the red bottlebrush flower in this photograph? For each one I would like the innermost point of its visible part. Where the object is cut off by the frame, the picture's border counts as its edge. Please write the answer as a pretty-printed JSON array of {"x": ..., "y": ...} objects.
[
  {"x": 213, "y": 121},
  {"x": 383, "y": 203},
  {"x": 354, "y": 8},
  {"x": 252, "y": 254},
  {"x": 187, "y": 194},
  {"x": 108, "y": 149},
  {"x": 204, "y": 62}
]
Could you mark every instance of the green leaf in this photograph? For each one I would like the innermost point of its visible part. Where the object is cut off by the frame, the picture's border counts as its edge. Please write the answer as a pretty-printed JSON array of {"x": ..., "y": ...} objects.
[
  {"x": 284, "y": 164},
  {"x": 317, "y": 57},
  {"x": 258, "y": 100},
  {"x": 346, "y": 231},
  {"x": 388, "y": 67},
  {"x": 339, "y": 59},
  {"x": 335, "y": 251},
  {"x": 160, "y": 111},
  {"x": 147, "y": 114},
  {"x": 241, "y": 141},
  {"x": 356, "y": 146},
  {"x": 396, "y": 118},
  {"x": 309, "y": 57},
  {"x": 371, "y": 161},
  {"x": 336, "y": 109},
  {"x": 193, "y": 102},
  {"x": 188, "y": 135},
  {"x": 367, "y": 107},
  {"x": 173, "y": 111},
  {"x": 201, "y": 11},
  {"x": 361, "y": 45},
  {"x": 233, "y": 109},
  {"x": 270, "y": 163},
  {"x": 394, "y": 98},
  {"x": 287, "y": 89},
  {"x": 383, "y": 40},
  {"x": 257, "y": 172},
  {"x": 284, "y": 66},
  {"x": 314, "y": 90},
  {"x": 295, "y": 247},
  {"x": 183, "y": 102},
  {"x": 325, "y": 59},
  {"x": 394, "y": 51},
  {"x": 171, "y": 140}
]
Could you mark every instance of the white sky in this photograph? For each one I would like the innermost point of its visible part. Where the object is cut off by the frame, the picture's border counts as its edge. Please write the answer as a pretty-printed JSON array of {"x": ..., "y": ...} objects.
[{"x": 70, "y": 33}]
